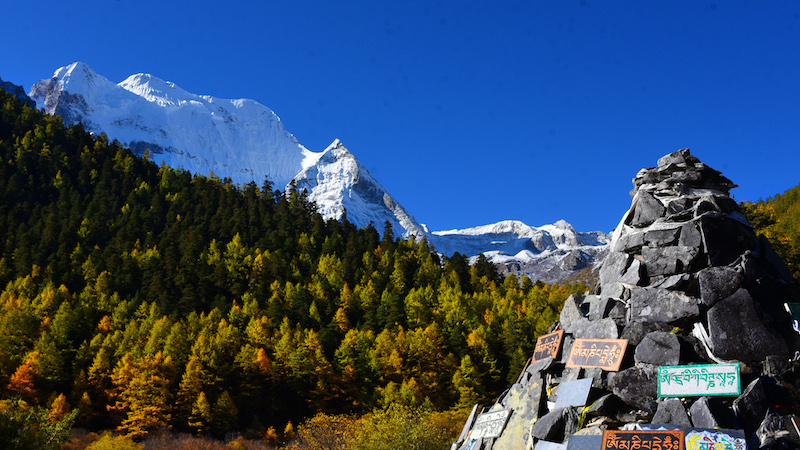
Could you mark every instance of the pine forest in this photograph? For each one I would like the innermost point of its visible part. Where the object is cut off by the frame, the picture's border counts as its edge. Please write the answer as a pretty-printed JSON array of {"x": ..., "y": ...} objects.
[{"x": 137, "y": 297}]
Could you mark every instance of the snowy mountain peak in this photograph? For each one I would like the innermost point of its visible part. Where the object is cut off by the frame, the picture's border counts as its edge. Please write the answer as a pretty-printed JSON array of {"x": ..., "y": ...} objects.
[
  {"x": 339, "y": 182},
  {"x": 76, "y": 72},
  {"x": 245, "y": 141},
  {"x": 154, "y": 89}
]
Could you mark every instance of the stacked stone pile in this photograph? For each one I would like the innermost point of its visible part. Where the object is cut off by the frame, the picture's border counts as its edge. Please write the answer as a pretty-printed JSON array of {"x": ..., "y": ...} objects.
[{"x": 686, "y": 282}]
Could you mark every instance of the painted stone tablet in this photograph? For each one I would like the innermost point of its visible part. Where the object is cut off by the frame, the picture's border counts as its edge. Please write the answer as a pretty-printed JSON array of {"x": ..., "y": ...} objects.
[
  {"x": 489, "y": 424},
  {"x": 699, "y": 380},
  {"x": 548, "y": 345},
  {"x": 603, "y": 353},
  {"x": 651, "y": 440}
]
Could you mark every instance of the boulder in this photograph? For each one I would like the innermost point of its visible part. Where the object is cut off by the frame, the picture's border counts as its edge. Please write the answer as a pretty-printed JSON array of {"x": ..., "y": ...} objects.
[
  {"x": 661, "y": 306},
  {"x": 636, "y": 386},
  {"x": 646, "y": 210},
  {"x": 717, "y": 283},
  {"x": 658, "y": 348},
  {"x": 671, "y": 410},
  {"x": 736, "y": 332}
]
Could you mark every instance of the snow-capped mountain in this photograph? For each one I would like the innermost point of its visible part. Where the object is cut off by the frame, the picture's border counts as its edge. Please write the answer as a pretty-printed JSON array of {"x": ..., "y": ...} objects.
[
  {"x": 246, "y": 141},
  {"x": 549, "y": 252},
  {"x": 240, "y": 139},
  {"x": 338, "y": 182}
]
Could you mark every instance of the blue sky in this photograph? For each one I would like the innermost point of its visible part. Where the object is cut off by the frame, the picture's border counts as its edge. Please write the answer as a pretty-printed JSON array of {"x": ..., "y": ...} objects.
[{"x": 469, "y": 112}]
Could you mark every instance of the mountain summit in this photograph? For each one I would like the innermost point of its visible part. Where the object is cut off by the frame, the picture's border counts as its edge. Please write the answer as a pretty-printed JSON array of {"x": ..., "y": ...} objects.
[
  {"x": 245, "y": 141},
  {"x": 240, "y": 139}
]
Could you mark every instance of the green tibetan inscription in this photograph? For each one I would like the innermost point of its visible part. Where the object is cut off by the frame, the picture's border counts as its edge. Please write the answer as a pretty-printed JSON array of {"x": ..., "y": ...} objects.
[{"x": 699, "y": 380}]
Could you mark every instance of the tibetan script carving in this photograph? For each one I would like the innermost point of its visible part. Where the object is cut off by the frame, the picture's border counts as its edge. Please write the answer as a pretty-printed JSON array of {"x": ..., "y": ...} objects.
[
  {"x": 490, "y": 424},
  {"x": 643, "y": 440},
  {"x": 699, "y": 380},
  {"x": 603, "y": 353},
  {"x": 548, "y": 345}
]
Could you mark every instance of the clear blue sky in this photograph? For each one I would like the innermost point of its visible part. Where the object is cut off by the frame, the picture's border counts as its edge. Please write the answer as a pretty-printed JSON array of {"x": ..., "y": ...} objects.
[{"x": 469, "y": 112}]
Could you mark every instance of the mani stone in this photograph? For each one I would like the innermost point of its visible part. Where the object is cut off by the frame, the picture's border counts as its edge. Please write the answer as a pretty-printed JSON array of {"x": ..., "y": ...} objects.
[
  {"x": 661, "y": 306},
  {"x": 671, "y": 410},
  {"x": 658, "y": 348},
  {"x": 751, "y": 406},
  {"x": 636, "y": 386},
  {"x": 717, "y": 283},
  {"x": 736, "y": 332}
]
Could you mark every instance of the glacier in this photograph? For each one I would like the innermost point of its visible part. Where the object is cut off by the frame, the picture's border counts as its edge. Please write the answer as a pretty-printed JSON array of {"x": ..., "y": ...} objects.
[{"x": 245, "y": 141}]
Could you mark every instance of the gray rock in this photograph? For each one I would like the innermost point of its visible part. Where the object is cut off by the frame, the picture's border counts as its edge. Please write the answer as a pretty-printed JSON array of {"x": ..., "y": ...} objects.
[
  {"x": 775, "y": 261},
  {"x": 606, "y": 405},
  {"x": 668, "y": 260},
  {"x": 661, "y": 237},
  {"x": 555, "y": 425},
  {"x": 647, "y": 210},
  {"x": 725, "y": 238},
  {"x": 709, "y": 412},
  {"x": 717, "y": 283},
  {"x": 658, "y": 348},
  {"x": 630, "y": 242},
  {"x": 672, "y": 282},
  {"x": 682, "y": 157},
  {"x": 608, "y": 307},
  {"x": 598, "y": 329},
  {"x": 620, "y": 267},
  {"x": 736, "y": 332},
  {"x": 690, "y": 236},
  {"x": 671, "y": 410},
  {"x": 661, "y": 306},
  {"x": 751, "y": 406},
  {"x": 636, "y": 386},
  {"x": 613, "y": 290},
  {"x": 634, "y": 332},
  {"x": 570, "y": 313}
]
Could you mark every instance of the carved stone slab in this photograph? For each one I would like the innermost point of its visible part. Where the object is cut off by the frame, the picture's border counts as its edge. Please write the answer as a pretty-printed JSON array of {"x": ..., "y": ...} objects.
[
  {"x": 650, "y": 440},
  {"x": 699, "y": 380},
  {"x": 489, "y": 424},
  {"x": 548, "y": 345},
  {"x": 603, "y": 353}
]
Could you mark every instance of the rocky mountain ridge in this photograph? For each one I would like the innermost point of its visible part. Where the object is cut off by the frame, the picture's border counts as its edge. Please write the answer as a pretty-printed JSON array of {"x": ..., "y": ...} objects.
[{"x": 246, "y": 142}]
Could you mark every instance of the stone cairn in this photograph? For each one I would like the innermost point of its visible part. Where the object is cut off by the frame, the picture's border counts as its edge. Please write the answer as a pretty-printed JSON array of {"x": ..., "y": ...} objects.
[{"x": 686, "y": 282}]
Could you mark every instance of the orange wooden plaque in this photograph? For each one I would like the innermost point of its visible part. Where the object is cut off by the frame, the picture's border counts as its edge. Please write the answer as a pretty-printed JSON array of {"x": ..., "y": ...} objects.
[
  {"x": 548, "y": 345},
  {"x": 643, "y": 440},
  {"x": 603, "y": 353}
]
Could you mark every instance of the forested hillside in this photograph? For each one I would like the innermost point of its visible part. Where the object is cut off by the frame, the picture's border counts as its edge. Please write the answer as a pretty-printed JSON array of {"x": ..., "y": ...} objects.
[
  {"x": 778, "y": 218},
  {"x": 144, "y": 297}
]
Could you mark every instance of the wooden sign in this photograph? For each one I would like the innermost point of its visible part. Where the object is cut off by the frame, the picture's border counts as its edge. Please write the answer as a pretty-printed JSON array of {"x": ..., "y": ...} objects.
[
  {"x": 603, "y": 353},
  {"x": 548, "y": 345},
  {"x": 649, "y": 440},
  {"x": 704, "y": 439},
  {"x": 489, "y": 424},
  {"x": 699, "y": 380}
]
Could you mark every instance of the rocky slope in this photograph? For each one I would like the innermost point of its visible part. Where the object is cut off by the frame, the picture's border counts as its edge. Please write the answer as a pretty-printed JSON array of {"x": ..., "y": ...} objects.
[{"x": 686, "y": 282}]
